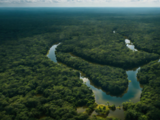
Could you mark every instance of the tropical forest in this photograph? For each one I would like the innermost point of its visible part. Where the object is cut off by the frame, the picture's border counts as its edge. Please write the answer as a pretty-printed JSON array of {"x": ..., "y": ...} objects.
[{"x": 79, "y": 63}]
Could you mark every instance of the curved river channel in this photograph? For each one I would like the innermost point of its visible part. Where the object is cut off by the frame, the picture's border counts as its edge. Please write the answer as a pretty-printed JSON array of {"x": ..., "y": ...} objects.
[{"x": 133, "y": 92}]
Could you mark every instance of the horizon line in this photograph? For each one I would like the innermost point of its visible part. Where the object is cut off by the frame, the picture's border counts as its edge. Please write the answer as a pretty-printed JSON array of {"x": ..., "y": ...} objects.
[{"x": 76, "y": 7}]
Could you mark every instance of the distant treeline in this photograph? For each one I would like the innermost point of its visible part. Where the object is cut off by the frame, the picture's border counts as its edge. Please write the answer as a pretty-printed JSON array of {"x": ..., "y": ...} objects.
[{"x": 33, "y": 87}]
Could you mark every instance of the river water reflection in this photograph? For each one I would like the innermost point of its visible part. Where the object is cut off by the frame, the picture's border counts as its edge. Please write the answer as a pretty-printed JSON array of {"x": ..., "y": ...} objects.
[
  {"x": 133, "y": 92},
  {"x": 130, "y": 45},
  {"x": 51, "y": 53}
]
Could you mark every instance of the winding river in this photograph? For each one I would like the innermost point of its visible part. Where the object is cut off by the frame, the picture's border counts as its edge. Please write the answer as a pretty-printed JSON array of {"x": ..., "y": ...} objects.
[{"x": 133, "y": 92}]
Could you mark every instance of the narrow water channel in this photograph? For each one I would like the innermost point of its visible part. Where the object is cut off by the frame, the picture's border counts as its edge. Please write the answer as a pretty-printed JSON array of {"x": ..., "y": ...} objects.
[
  {"x": 101, "y": 97},
  {"x": 133, "y": 92},
  {"x": 51, "y": 53}
]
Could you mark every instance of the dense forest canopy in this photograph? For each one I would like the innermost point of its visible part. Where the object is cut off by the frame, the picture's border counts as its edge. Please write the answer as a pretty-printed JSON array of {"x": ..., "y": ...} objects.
[
  {"x": 105, "y": 47},
  {"x": 34, "y": 87},
  {"x": 149, "y": 106},
  {"x": 111, "y": 79}
]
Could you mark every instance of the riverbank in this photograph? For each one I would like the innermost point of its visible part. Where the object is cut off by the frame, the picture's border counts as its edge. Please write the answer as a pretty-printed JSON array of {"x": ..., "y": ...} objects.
[{"x": 133, "y": 92}]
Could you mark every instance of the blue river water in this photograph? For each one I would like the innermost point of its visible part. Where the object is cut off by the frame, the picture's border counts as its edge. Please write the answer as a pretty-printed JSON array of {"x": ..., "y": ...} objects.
[{"x": 132, "y": 93}]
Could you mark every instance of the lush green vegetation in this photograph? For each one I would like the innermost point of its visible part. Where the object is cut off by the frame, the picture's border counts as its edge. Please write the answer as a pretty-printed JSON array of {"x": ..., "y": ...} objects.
[
  {"x": 102, "y": 110},
  {"x": 33, "y": 87},
  {"x": 108, "y": 48},
  {"x": 101, "y": 118},
  {"x": 111, "y": 79},
  {"x": 143, "y": 31},
  {"x": 149, "y": 106}
]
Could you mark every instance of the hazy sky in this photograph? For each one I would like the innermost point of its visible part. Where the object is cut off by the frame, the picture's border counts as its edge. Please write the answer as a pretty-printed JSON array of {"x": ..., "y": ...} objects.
[{"x": 79, "y": 3}]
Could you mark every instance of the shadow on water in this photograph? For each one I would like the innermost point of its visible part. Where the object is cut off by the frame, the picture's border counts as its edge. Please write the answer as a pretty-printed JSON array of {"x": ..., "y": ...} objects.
[{"x": 133, "y": 92}]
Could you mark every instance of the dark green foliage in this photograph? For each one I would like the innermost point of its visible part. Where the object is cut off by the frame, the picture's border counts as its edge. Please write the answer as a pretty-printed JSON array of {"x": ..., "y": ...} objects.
[
  {"x": 131, "y": 115},
  {"x": 101, "y": 118},
  {"x": 91, "y": 108},
  {"x": 151, "y": 91},
  {"x": 112, "y": 107},
  {"x": 33, "y": 86},
  {"x": 149, "y": 106},
  {"x": 149, "y": 74},
  {"x": 108, "y": 49},
  {"x": 102, "y": 110},
  {"x": 110, "y": 79},
  {"x": 144, "y": 35}
]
